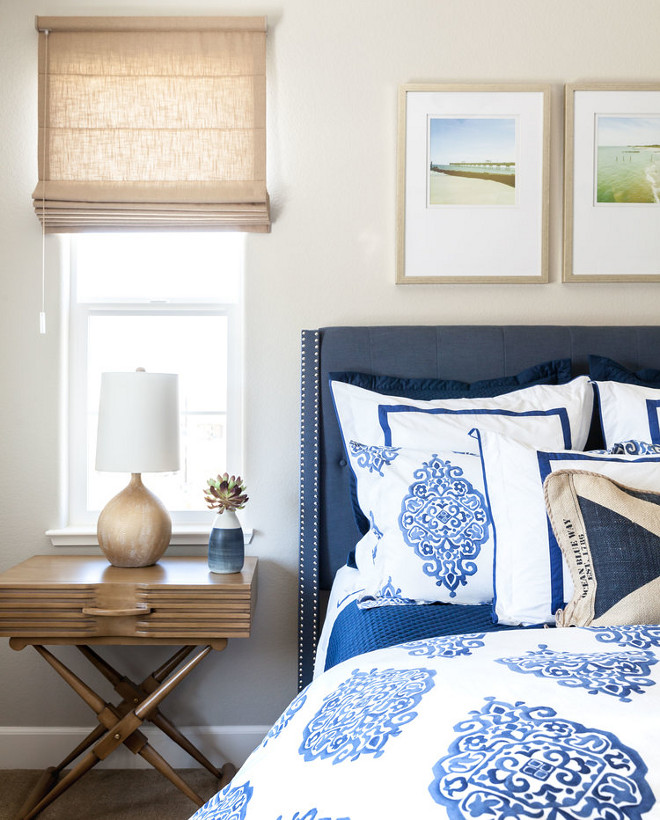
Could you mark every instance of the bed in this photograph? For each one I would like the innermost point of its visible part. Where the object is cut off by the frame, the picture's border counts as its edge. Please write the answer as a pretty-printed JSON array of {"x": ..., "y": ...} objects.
[{"x": 468, "y": 493}]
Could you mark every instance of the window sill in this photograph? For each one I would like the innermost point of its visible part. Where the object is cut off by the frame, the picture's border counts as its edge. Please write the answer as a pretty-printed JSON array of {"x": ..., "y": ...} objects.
[{"x": 191, "y": 535}]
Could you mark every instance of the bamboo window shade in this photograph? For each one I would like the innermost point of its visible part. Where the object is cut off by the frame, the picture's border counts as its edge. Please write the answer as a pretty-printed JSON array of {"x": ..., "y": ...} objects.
[{"x": 152, "y": 123}]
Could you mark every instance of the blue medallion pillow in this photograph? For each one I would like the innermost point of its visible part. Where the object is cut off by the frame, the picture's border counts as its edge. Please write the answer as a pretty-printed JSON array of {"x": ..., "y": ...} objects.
[
  {"x": 430, "y": 537},
  {"x": 609, "y": 535}
]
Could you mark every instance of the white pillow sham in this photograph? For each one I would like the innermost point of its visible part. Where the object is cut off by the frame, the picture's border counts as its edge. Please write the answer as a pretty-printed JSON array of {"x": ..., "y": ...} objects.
[
  {"x": 430, "y": 537},
  {"x": 543, "y": 415},
  {"x": 629, "y": 411},
  {"x": 531, "y": 578}
]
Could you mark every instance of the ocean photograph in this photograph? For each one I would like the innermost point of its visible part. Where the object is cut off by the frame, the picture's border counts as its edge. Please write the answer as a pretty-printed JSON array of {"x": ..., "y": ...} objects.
[
  {"x": 628, "y": 160},
  {"x": 471, "y": 161}
]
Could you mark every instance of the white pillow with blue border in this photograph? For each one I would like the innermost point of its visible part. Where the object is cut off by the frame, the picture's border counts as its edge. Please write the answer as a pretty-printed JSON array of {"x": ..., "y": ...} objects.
[
  {"x": 531, "y": 578},
  {"x": 628, "y": 412},
  {"x": 544, "y": 415}
]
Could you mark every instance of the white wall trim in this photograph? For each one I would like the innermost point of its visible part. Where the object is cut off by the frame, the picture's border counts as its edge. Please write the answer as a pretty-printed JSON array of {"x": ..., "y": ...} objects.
[{"x": 37, "y": 747}]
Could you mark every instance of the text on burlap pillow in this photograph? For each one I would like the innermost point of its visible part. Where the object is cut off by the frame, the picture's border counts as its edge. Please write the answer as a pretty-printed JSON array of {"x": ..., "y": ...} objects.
[{"x": 609, "y": 535}]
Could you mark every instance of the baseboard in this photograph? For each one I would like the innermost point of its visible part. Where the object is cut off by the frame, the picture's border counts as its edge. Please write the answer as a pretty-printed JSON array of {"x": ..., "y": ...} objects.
[{"x": 37, "y": 747}]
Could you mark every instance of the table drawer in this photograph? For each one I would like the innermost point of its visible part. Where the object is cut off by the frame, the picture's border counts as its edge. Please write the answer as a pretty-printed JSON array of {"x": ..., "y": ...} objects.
[
  {"x": 121, "y": 604},
  {"x": 53, "y": 612}
]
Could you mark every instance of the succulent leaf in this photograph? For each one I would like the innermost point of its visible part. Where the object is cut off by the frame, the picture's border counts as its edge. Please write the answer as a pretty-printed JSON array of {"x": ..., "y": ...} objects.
[{"x": 225, "y": 492}]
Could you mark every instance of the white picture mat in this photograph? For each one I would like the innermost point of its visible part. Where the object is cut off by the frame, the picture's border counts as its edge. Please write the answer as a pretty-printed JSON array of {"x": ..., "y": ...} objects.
[
  {"x": 609, "y": 239},
  {"x": 473, "y": 240}
]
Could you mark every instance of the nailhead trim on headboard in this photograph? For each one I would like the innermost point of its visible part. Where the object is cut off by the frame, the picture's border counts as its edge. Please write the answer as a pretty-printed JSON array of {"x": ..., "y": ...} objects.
[{"x": 308, "y": 577}]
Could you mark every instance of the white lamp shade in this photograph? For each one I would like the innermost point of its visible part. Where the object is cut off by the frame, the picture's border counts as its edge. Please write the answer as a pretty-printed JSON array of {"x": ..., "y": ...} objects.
[{"x": 138, "y": 423}]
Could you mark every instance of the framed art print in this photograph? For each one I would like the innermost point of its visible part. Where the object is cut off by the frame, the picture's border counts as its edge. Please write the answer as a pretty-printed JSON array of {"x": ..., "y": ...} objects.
[
  {"x": 473, "y": 183},
  {"x": 612, "y": 183}
]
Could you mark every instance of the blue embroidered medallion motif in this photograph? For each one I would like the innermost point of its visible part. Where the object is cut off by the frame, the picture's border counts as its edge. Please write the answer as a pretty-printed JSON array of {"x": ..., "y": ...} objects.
[
  {"x": 387, "y": 595},
  {"x": 610, "y": 673},
  {"x": 634, "y": 448},
  {"x": 364, "y": 713},
  {"x": 228, "y": 804},
  {"x": 284, "y": 719},
  {"x": 373, "y": 458},
  {"x": 389, "y": 590},
  {"x": 312, "y": 814},
  {"x": 637, "y": 637},
  {"x": 445, "y": 520},
  {"x": 374, "y": 529},
  {"x": 448, "y": 646},
  {"x": 525, "y": 762}
]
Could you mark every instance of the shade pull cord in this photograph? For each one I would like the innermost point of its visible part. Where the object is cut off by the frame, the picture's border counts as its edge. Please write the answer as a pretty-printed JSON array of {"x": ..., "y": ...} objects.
[{"x": 42, "y": 314}]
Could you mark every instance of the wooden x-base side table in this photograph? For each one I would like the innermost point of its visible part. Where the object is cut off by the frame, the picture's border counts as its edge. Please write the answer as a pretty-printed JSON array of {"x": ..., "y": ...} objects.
[{"x": 83, "y": 601}]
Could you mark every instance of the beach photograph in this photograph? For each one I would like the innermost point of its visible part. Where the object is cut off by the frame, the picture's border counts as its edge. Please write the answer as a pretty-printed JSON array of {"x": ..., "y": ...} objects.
[
  {"x": 471, "y": 161},
  {"x": 628, "y": 159}
]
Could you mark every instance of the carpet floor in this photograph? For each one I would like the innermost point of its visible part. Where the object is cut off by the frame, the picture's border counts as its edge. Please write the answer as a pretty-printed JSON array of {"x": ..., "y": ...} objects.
[{"x": 109, "y": 794}]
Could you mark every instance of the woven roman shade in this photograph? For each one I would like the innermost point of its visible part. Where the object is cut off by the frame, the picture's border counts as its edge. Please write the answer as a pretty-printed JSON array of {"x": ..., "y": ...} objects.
[{"x": 152, "y": 123}]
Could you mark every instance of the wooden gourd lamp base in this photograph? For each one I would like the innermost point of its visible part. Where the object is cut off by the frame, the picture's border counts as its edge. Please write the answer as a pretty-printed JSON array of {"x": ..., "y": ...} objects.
[
  {"x": 134, "y": 528},
  {"x": 138, "y": 432}
]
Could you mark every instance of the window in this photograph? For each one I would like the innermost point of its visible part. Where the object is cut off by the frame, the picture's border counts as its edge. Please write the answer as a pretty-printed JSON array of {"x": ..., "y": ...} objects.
[{"x": 169, "y": 303}]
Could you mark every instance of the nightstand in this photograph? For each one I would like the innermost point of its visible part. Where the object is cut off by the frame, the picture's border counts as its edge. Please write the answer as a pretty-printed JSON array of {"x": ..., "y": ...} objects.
[{"x": 85, "y": 602}]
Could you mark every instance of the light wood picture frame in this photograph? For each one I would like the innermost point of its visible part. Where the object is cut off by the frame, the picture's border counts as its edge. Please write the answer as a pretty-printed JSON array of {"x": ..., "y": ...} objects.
[
  {"x": 612, "y": 182},
  {"x": 473, "y": 183}
]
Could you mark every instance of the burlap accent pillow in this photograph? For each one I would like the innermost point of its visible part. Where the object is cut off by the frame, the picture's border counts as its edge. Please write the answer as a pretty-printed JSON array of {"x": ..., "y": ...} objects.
[{"x": 609, "y": 535}]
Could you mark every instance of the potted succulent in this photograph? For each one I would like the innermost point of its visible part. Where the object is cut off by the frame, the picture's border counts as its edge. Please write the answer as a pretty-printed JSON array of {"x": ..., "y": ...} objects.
[{"x": 226, "y": 494}]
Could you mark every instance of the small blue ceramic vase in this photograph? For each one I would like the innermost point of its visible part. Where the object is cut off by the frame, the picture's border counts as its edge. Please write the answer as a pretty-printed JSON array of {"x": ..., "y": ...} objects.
[{"x": 226, "y": 545}]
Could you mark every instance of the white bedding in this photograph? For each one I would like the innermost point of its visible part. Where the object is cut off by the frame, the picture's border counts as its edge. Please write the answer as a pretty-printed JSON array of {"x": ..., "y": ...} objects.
[
  {"x": 346, "y": 587},
  {"x": 542, "y": 723}
]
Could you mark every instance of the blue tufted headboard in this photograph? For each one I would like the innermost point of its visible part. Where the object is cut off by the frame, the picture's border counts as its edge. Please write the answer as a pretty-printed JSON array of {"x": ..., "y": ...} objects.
[{"x": 468, "y": 353}]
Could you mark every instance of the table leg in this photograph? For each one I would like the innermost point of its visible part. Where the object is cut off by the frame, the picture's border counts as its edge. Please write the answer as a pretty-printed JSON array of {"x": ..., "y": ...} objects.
[
  {"x": 88, "y": 762},
  {"x": 135, "y": 694},
  {"x": 118, "y": 725},
  {"x": 160, "y": 764},
  {"x": 51, "y": 775},
  {"x": 41, "y": 788}
]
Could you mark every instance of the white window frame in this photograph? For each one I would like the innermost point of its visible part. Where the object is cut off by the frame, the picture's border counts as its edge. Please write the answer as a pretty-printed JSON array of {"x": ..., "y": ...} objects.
[{"x": 189, "y": 527}]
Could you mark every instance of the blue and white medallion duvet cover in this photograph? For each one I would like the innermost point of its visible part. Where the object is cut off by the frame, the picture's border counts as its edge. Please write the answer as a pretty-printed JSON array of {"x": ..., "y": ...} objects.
[{"x": 539, "y": 723}]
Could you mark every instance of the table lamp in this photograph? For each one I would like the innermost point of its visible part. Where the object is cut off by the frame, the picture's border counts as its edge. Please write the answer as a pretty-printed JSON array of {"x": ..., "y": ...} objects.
[{"x": 138, "y": 433}]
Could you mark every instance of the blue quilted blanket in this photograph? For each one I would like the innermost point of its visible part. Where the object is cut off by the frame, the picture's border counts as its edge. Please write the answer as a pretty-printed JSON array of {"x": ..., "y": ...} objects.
[{"x": 362, "y": 630}]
